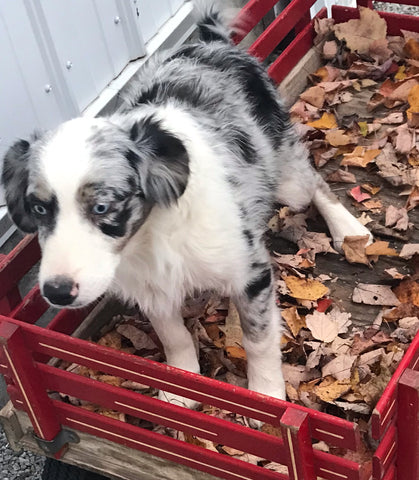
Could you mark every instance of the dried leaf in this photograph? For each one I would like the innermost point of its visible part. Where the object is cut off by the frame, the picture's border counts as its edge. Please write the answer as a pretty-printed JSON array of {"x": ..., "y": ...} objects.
[
  {"x": 409, "y": 250},
  {"x": 380, "y": 248},
  {"x": 327, "y": 121},
  {"x": 341, "y": 176},
  {"x": 361, "y": 34},
  {"x": 411, "y": 49},
  {"x": 408, "y": 291},
  {"x": 340, "y": 367},
  {"x": 374, "y": 295},
  {"x": 322, "y": 326},
  {"x": 358, "y": 195},
  {"x": 337, "y": 138},
  {"x": 354, "y": 249},
  {"x": 314, "y": 96},
  {"x": 331, "y": 389},
  {"x": 305, "y": 289},
  {"x": 293, "y": 319},
  {"x": 397, "y": 218},
  {"x": 137, "y": 337}
]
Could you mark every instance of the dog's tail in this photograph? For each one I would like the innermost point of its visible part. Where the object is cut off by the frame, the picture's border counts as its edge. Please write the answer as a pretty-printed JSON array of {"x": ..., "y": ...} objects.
[{"x": 213, "y": 20}]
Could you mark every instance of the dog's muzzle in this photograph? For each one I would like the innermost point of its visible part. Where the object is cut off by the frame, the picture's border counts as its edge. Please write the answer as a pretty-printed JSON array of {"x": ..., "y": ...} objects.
[{"x": 60, "y": 290}]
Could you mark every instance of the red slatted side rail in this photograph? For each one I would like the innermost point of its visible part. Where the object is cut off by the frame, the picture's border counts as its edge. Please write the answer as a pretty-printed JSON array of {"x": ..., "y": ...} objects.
[
  {"x": 297, "y": 423},
  {"x": 280, "y": 27},
  {"x": 280, "y": 68},
  {"x": 333, "y": 430},
  {"x": 250, "y": 15},
  {"x": 31, "y": 308},
  {"x": 394, "y": 21},
  {"x": 385, "y": 455},
  {"x": 385, "y": 410},
  {"x": 13, "y": 267}
]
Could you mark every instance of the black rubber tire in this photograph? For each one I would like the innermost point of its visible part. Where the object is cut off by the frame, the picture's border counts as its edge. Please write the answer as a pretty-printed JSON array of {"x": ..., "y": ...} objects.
[{"x": 56, "y": 470}]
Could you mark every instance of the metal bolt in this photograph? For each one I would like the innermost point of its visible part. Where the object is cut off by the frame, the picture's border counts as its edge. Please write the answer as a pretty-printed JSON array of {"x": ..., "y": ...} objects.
[
  {"x": 116, "y": 20},
  {"x": 48, "y": 88},
  {"x": 69, "y": 65}
]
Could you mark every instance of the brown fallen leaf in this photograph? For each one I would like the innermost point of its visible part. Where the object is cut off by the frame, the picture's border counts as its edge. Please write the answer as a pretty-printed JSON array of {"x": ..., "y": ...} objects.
[
  {"x": 305, "y": 289},
  {"x": 314, "y": 96},
  {"x": 411, "y": 48},
  {"x": 409, "y": 250},
  {"x": 408, "y": 291},
  {"x": 337, "y": 138},
  {"x": 361, "y": 33},
  {"x": 322, "y": 326},
  {"x": 354, "y": 249},
  {"x": 340, "y": 367},
  {"x": 397, "y": 218},
  {"x": 374, "y": 295},
  {"x": 341, "y": 176},
  {"x": 380, "y": 248},
  {"x": 293, "y": 319},
  {"x": 331, "y": 389},
  {"x": 413, "y": 200},
  {"x": 137, "y": 337}
]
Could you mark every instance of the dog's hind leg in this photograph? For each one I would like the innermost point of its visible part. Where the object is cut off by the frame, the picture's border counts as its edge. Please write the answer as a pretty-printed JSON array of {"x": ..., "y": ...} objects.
[
  {"x": 299, "y": 185},
  {"x": 179, "y": 350},
  {"x": 261, "y": 324}
]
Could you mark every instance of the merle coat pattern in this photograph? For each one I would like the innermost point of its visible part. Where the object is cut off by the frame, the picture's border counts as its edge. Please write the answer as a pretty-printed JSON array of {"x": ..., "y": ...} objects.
[{"x": 171, "y": 196}]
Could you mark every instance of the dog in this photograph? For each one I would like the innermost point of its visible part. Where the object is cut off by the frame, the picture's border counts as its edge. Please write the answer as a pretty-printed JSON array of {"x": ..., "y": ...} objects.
[{"x": 171, "y": 196}]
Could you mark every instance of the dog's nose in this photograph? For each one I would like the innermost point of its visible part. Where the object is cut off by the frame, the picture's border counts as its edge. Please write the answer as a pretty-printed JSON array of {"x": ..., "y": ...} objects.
[{"x": 60, "y": 290}]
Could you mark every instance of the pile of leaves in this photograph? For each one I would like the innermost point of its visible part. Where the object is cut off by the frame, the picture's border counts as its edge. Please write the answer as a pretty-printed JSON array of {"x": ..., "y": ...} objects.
[{"x": 347, "y": 321}]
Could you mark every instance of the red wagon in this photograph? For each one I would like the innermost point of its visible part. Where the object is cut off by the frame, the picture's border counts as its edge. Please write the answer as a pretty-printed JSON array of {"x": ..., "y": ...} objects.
[{"x": 124, "y": 451}]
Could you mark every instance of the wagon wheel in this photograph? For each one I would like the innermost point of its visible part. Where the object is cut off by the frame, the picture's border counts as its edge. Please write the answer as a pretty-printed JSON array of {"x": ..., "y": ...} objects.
[{"x": 56, "y": 470}]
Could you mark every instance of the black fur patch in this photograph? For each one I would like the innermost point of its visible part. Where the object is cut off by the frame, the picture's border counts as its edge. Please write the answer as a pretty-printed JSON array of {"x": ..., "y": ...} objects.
[
  {"x": 118, "y": 227},
  {"x": 259, "y": 284},
  {"x": 249, "y": 237},
  {"x": 46, "y": 223},
  {"x": 15, "y": 178},
  {"x": 163, "y": 176}
]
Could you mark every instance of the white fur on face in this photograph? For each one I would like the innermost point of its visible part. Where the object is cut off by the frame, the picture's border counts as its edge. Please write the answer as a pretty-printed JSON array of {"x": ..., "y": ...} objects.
[{"x": 76, "y": 248}]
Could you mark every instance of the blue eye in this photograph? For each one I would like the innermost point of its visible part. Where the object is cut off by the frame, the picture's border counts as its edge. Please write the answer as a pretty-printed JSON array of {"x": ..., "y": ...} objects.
[
  {"x": 100, "y": 208},
  {"x": 39, "y": 209}
]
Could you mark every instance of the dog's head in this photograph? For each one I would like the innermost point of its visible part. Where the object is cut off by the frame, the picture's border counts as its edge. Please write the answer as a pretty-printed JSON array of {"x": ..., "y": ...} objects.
[{"x": 87, "y": 188}]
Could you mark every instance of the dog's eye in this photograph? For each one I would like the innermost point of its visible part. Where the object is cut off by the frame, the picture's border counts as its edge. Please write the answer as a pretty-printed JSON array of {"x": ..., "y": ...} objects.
[
  {"x": 100, "y": 208},
  {"x": 39, "y": 209}
]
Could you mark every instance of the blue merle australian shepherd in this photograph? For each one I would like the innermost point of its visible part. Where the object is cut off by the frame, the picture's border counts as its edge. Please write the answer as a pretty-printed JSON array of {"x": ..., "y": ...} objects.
[{"x": 171, "y": 196}]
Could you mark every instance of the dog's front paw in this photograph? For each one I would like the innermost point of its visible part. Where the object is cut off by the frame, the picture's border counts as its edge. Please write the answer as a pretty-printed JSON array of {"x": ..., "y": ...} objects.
[
  {"x": 275, "y": 389},
  {"x": 178, "y": 400},
  {"x": 350, "y": 228}
]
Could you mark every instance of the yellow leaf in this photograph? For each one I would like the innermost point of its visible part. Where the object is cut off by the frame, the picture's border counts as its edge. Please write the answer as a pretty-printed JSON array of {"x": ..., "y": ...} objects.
[
  {"x": 413, "y": 99},
  {"x": 236, "y": 352},
  {"x": 363, "y": 128},
  {"x": 293, "y": 319},
  {"x": 373, "y": 189},
  {"x": 326, "y": 122},
  {"x": 380, "y": 248},
  {"x": 305, "y": 289},
  {"x": 400, "y": 75},
  {"x": 331, "y": 389}
]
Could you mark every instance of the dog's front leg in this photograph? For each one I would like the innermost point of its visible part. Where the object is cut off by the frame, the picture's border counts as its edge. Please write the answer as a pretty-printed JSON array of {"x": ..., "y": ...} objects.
[
  {"x": 261, "y": 323},
  {"x": 179, "y": 350}
]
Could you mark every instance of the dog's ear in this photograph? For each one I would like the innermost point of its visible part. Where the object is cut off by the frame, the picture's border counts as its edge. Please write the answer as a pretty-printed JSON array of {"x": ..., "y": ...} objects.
[
  {"x": 162, "y": 162},
  {"x": 15, "y": 178}
]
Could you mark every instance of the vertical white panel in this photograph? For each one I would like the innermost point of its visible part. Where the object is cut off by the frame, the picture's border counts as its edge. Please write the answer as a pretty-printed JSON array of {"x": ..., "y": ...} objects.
[
  {"x": 77, "y": 38},
  {"x": 112, "y": 22},
  {"x": 152, "y": 15}
]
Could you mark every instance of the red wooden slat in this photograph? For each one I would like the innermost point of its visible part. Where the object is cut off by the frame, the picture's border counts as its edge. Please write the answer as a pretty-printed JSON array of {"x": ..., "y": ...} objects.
[
  {"x": 384, "y": 411},
  {"x": 384, "y": 456},
  {"x": 250, "y": 15},
  {"x": 279, "y": 28},
  {"x": 10, "y": 301},
  {"x": 28, "y": 381},
  {"x": 19, "y": 261},
  {"x": 163, "y": 413},
  {"x": 395, "y": 21},
  {"x": 390, "y": 475},
  {"x": 32, "y": 307},
  {"x": 296, "y": 434},
  {"x": 407, "y": 463},
  {"x": 329, "y": 467},
  {"x": 302, "y": 43},
  {"x": 222, "y": 466},
  {"x": 325, "y": 427},
  {"x": 66, "y": 321}
]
